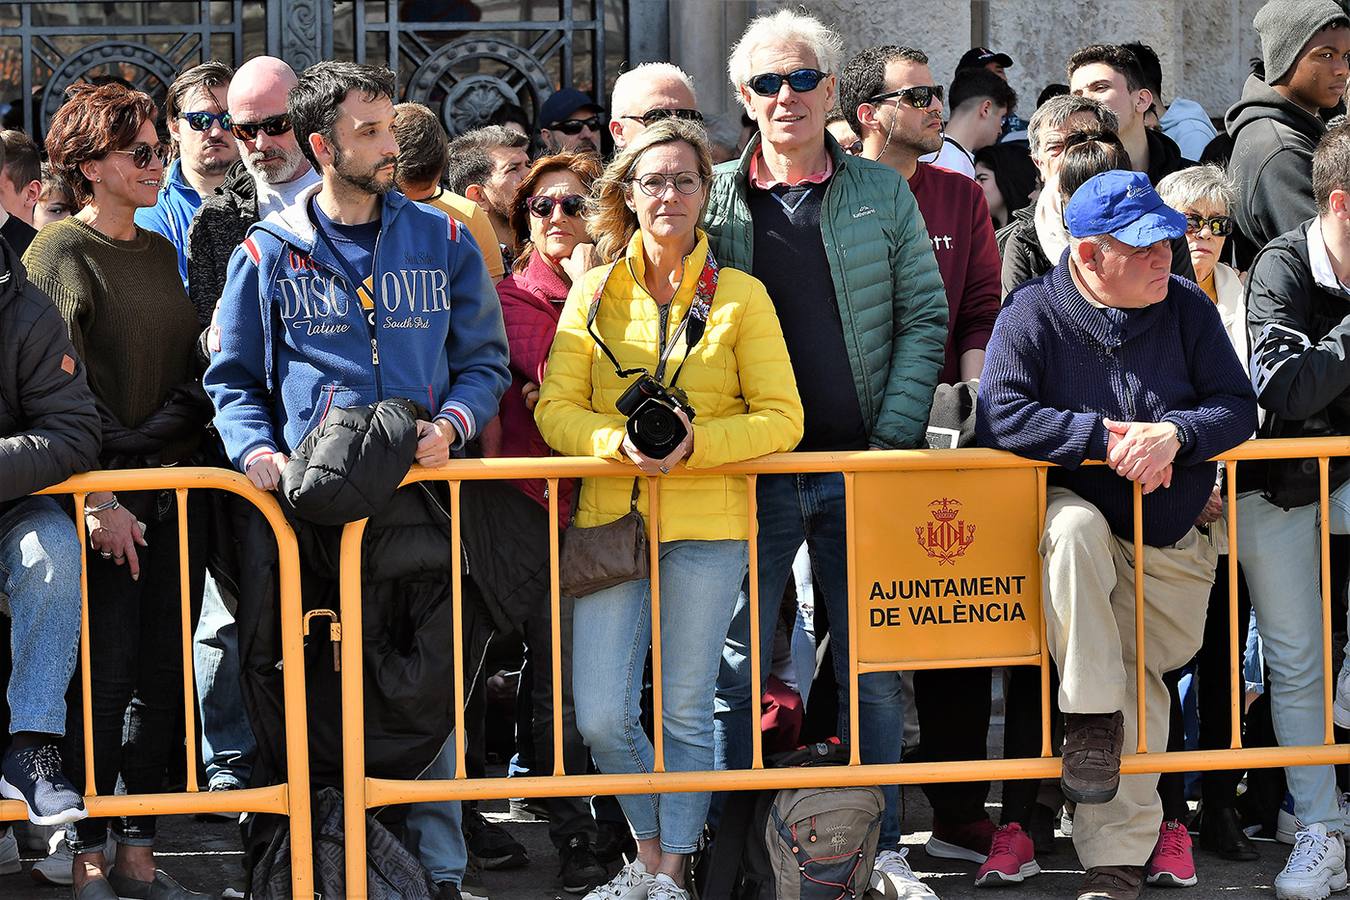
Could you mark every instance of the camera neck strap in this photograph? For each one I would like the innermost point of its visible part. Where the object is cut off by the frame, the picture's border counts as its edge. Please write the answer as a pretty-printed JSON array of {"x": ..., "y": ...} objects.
[{"x": 697, "y": 314}]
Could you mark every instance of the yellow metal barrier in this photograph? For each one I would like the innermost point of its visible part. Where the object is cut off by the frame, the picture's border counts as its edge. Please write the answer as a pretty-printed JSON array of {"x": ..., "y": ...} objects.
[
  {"x": 291, "y": 799},
  {"x": 363, "y": 793}
]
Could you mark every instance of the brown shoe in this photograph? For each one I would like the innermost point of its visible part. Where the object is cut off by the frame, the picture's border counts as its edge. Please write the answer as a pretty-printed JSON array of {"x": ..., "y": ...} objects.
[
  {"x": 1112, "y": 882},
  {"x": 1092, "y": 745}
]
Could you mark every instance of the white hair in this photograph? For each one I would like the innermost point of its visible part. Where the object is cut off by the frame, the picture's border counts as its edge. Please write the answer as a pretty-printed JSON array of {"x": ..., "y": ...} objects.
[
  {"x": 784, "y": 27},
  {"x": 629, "y": 83},
  {"x": 1211, "y": 184}
]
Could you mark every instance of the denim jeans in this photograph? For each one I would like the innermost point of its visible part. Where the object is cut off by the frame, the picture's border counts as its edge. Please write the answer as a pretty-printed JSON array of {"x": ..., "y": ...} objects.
[
  {"x": 136, "y": 672},
  {"x": 40, "y": 574},
  {"x": 435, "y": 831},
  {"x": 793, "y": 509},
  {"x": 611, "y": 634},
  {"x": 1279, "y": 552},
  {"x": 227, "y": 739}
]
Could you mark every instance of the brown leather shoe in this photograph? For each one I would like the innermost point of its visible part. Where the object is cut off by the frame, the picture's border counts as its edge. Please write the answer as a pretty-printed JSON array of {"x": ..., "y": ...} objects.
[
  {"x": 1092, "y": 745},
  {"x": 1112, "y": 882}
]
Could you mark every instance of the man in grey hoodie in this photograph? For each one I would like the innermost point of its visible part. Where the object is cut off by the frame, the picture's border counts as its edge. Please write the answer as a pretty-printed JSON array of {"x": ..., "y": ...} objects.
[{"x": 1305, "y": 45}]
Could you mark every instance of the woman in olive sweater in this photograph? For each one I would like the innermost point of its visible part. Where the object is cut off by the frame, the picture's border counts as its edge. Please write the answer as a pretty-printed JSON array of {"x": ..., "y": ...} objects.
[{"x": 118, "y": 289}]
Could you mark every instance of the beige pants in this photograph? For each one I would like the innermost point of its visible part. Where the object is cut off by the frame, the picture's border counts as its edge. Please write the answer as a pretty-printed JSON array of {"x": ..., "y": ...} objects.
[{"x": 1089, "y": 611}]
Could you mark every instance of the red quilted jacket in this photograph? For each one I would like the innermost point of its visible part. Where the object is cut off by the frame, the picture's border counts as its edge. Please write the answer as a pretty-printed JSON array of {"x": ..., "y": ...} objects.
[{"x": 532, "y": 301}]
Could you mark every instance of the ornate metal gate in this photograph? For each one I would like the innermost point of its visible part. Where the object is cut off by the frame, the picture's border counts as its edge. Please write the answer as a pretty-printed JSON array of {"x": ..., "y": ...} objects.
[{"x": 463, "y": 58}]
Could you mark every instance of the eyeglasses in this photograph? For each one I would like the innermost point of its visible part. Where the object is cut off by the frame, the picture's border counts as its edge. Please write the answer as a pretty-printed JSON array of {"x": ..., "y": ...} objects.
[
  {"x": 801, "y": 81},
  {"x": 920, "y": 96},
  {"x": 574, "y": 126},
  {"x": 1219, "y": 226},
  {"x": 272, "y": 126},
  {"x": 652, "y": 116},
  {"x": 542, "y": 207},
  {"x": 201, "y": 121},
  {"x": 654, "y": 184},
  {"x": 141, "y": 153}
]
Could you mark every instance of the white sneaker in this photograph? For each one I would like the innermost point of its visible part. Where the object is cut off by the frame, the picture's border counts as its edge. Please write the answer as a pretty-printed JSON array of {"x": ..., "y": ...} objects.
[
  {"x": 9, "y": 853},
  {"x": 1316, "y": 866},
  {"x": 1340, "y": 707},
  {"x": 664, "y": 888},
  {"x": 1288, "y": 825},
  {"x": 632, "y": 883},
  {"x": 893, "y": 879},
  {"x": 55, "y": 867}
]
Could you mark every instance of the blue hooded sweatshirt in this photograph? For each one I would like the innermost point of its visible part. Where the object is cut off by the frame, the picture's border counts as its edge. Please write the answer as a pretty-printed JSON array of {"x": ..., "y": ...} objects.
[
  {"x": 291, "y": 339},
  {"x": 172, "y": 214}
]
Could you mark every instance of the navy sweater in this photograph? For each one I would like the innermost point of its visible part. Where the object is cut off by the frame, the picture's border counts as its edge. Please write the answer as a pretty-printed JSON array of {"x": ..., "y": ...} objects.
[{"x": 1056, "y": 366}]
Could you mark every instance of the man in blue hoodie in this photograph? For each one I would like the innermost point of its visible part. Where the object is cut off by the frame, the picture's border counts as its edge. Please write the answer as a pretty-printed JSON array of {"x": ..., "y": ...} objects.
[{"x": 350, "y": 295}]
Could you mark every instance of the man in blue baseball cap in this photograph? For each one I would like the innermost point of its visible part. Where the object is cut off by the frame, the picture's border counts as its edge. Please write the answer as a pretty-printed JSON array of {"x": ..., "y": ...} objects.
[
  {"x": 570, "y": 120},
  {"x": 1100, "y": 360}
]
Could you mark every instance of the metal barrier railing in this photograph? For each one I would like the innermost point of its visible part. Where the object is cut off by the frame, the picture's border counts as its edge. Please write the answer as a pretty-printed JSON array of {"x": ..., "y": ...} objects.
[
  {"x": 363, "y": 793},
  {"x": 291, "y": 799}
]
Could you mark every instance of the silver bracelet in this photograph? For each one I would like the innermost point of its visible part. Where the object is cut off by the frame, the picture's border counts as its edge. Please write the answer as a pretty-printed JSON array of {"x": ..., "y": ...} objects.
[{"x": 103, "y": 507}]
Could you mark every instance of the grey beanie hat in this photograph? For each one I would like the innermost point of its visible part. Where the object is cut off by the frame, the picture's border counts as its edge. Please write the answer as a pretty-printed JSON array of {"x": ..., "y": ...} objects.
[{"x": 1286, "y": 26}]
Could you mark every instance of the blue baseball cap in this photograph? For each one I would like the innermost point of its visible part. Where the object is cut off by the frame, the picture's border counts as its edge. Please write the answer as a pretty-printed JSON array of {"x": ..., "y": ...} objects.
[
  {"x": 1125, "y": 206},
  {"x": 561, "y": 104}
]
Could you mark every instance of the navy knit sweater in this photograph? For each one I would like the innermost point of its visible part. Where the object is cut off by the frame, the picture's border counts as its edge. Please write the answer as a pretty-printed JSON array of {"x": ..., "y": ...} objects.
[{"x": 1056, "y": 366}]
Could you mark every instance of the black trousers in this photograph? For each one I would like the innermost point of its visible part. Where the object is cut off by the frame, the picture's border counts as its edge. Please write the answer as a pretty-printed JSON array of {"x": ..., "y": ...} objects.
[{"x": 953, "y": 706}]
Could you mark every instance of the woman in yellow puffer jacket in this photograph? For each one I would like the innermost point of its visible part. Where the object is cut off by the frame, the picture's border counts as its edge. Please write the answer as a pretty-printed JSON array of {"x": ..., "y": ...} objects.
[{"x": 663, "y": 290}]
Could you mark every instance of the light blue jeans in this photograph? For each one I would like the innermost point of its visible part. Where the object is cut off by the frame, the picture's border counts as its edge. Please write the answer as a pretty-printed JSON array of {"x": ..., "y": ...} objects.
[
  {"x": 40, "y": 574},
  {"x": 435, "y": 831},
  {"x": 1279, "y": 550},
  {"x": 228, "y": 746},
  {"x": 611, "y": 634}
]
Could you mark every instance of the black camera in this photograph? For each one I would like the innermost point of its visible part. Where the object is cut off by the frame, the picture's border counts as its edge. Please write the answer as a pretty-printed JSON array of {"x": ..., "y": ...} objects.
[{"x": 653, "y": 426}]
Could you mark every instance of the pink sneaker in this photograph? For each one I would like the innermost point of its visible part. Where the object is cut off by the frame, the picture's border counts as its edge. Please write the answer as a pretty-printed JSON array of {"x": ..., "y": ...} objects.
[
  {"x": 1012, "y": 858},
  {"x": 1171, "y": 864}
]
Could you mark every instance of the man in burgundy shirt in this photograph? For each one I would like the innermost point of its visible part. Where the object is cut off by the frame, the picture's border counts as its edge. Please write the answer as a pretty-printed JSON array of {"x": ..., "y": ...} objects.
[{"x": 888, "y": 96}]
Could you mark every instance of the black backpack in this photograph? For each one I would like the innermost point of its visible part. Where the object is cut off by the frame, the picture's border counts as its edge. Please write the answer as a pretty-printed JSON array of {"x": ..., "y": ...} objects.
[{"x": 796, "y": 843}]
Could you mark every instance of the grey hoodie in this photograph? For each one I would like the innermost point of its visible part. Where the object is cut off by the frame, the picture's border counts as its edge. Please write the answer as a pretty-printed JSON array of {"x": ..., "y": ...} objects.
[{"x": 1273, "y": 141}]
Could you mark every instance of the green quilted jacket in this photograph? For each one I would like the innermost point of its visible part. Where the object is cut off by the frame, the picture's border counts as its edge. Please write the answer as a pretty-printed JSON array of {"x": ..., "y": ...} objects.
[{"x": 886, "y": 281}]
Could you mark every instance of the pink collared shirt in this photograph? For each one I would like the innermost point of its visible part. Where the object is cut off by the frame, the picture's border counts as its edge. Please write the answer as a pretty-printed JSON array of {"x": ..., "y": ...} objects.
[{"x": 768, "y": 181}]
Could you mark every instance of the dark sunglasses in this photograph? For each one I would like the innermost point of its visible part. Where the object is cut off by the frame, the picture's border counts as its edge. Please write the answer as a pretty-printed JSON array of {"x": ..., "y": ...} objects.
[
  {"x": 574, "y": 126},
  {"x": 855, "y": 148},
  {"x": 542, "y": 207},
  {"x": 141, "y": 153},
  {"x": 272, "y": 126},
  {"x": 652, "y": 116},
  {"x": 201, "y": 121},
  {"x": 920, "y": 96},
  {"x": 801, "y": 81},
  {"x": 1219, "y": 226}
]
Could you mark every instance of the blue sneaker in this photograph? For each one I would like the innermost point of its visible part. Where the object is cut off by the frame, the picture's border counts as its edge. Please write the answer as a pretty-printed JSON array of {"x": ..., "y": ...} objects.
[{"x": 34, "y": 776}]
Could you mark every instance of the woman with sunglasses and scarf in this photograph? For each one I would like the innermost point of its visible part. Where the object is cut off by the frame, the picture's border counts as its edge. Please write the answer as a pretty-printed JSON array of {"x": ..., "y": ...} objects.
[
  {"x": 663, "y": 292},
  {"x": 117, "y": 286}
]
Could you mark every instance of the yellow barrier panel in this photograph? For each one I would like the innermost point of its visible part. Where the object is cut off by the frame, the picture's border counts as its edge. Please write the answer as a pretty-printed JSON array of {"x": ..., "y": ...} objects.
[
  {"x": 876, "y": 475},
  {"x": 291, "y": 799}
]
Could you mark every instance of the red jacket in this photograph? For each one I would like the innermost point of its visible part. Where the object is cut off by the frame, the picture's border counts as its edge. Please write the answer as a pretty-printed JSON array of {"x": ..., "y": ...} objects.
[
  {"x": 957, "y": 217},
  {"x": 532, "y": 301}
]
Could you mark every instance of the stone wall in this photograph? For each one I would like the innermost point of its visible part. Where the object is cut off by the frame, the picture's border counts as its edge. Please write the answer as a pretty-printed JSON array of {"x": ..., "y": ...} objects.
[{"x": 1204, "y": 45}]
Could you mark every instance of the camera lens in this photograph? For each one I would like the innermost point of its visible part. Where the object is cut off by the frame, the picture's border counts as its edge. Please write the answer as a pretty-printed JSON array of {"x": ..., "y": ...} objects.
[{"x": 655, "y": 429}]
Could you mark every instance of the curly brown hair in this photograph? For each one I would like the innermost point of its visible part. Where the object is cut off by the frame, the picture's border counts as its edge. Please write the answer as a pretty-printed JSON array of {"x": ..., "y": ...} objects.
[
  {"x": 94, "y": 121},
  {"x": 583, "y": 165}
]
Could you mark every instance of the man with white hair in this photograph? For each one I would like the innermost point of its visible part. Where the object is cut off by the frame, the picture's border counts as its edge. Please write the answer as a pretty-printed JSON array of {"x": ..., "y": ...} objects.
[
  {"x": 866, "y": 335},
  {"x": 270, "y": 172},
  {"x": 646, "y": 94}
]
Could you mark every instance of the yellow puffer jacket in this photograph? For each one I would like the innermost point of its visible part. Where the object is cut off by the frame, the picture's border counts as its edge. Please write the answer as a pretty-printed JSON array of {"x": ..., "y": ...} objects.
[{"x": 738, "y": 379}]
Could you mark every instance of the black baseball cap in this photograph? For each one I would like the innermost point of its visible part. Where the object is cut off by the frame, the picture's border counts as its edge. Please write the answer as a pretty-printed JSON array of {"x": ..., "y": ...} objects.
[
  {"x": 561, "y": 104},
  {"x": 977, "y": 57}
]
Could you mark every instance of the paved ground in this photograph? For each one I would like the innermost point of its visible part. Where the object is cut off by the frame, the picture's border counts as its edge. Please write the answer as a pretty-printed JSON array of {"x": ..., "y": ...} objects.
[{"x": 205, "y": 855}]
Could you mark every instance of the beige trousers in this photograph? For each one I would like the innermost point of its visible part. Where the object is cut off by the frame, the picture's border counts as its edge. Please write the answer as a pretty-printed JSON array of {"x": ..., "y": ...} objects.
[{"x": 1089, "y": 612}]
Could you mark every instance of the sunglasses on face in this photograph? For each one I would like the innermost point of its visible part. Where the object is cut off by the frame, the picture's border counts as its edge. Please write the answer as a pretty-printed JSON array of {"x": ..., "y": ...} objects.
[
  {"x": 652, "y": 116},
  {"x": 574, "y": 126},
  {"x": 272, "y": 126},
  {"x": 1219, "y": 226},
  {"x": 201, "y": 121},
  {"x": 141, "y": 154},
  {"x": 801, "y": 81},
  {"x": 855, "y": 148},
  {"x": 654, "y": 184},
  {"x": 920, "y": 96},
  {"x": 542, "y": 207}
]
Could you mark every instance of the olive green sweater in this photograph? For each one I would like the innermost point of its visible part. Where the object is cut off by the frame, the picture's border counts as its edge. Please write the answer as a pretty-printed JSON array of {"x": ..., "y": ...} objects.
[{"x": 128, "y": 315}]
